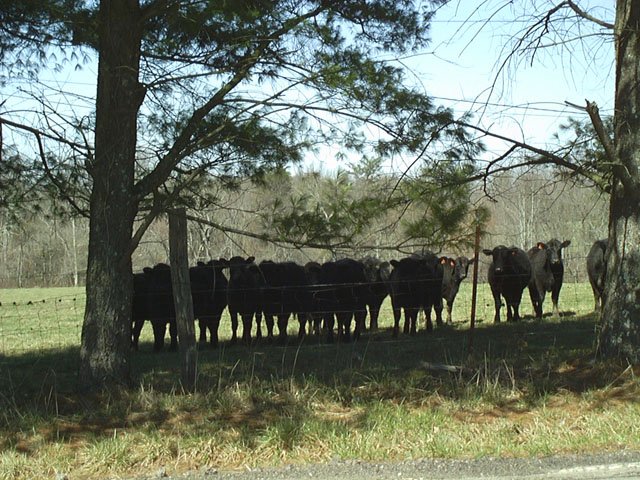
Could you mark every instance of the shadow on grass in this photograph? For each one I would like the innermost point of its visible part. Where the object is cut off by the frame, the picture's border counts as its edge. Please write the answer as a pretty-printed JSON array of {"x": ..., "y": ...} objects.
[{"x": 270, "y": 386}]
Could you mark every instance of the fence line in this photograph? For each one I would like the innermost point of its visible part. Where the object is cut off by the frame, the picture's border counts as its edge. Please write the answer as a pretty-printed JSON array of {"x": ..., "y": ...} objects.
[{"x": 36, "y": 323}]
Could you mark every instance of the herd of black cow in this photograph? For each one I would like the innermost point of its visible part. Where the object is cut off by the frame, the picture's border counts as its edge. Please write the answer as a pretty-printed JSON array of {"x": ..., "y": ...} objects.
[{"x": 328, "y": 297}]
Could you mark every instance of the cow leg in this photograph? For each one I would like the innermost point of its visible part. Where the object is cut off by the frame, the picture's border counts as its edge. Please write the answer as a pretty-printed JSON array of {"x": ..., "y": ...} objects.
[
  {"x": 360, "y": 317},
  {"x": 427, "y": 316},
  {"x": 173, "y": 334},
  {"x": 411, "y": 319},
  {"x": 374, "y": 312},
  {"x": 202, "y": 326},
  {"x": 509, "y": 311},
  {"x": 449, "y": 310},
  {"x": 344, "y": 326},
  {"x": 329, "y": 320},
  {"x": 234, "y": 325},
  {"x": 159, "y": 329},
  {"x": 302, "y": 325},
  {"x": 396, "y": 320},
  {"x": 215, "y": 325},
  {"x": 259, "y": 324},
  {"x": 407, "y": 322},
  {"x": 533, "y": 295},
  {"x": 316, "y": 321},
  {"x": 283, "y": 323},
  {"x": 516, "y": 311},
  {"x": 498, "y": 304},
  {"x": 247, "y": 320},
  {"x": 540, "y": 304},
  {"x": 340, "y": 325},
  {"x": 438, "y": 309},
  {"x": 555, "y": 295},
  {"x": 269, "y": 322},
  {"x": 135, "y": 333},
  {"x": 596, "y": 299}
]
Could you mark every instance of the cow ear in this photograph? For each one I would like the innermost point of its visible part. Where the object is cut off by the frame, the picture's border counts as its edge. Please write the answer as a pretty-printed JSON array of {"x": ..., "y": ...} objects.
[
  {"x": 488, "y": 252},
  {"x": 443, "y": 260},
  {"x": 514, "y": 252},
  {"x": 250, "y": 259},
  {"x": 566, "y": 243},
  {"x": 540, "y": 246},
  {"x": 452, "y": 262},
  {"x": 394, "y": 263}
]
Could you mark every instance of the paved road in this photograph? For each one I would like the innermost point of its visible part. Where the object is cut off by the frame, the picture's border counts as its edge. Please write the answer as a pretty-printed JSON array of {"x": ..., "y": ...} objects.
[{"x": 621, "y": 465}]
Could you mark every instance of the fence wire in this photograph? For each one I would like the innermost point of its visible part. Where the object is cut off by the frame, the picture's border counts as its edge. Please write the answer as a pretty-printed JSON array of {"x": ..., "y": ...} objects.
[{"x": 36, "y": 320}]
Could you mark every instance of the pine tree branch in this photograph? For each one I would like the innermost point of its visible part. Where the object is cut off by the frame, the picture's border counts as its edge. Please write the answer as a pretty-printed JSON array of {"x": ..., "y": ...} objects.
[{"x": 180, "y": 150}]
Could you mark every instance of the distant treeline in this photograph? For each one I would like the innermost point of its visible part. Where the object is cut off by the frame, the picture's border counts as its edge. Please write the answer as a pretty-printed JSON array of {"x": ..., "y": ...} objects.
[{"x": 47, "y": 249}]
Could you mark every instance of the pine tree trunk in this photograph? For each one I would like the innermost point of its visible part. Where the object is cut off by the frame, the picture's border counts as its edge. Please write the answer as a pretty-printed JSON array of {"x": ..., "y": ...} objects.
[
  {"x": 106, "y": 331},
  {"x": 620, "y": 321}
]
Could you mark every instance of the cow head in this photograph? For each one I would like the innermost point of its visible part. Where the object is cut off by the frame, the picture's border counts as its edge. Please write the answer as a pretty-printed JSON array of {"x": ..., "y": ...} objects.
[
  {"x": 501, "y": 256},
  {"x": 461, "y": 267},
  {"x": 555, "y": 248}
]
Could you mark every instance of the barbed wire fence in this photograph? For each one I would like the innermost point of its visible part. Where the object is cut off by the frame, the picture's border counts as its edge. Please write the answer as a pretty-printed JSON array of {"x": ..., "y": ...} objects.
[{"x": 38, "y": 320}]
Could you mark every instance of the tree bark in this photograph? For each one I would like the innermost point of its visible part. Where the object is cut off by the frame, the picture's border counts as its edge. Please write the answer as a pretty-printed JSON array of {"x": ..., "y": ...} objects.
[
  {"x": 620, "y": 321},
  {"x": 182, "y": 297},
  {"x": 106, "y": 331}
]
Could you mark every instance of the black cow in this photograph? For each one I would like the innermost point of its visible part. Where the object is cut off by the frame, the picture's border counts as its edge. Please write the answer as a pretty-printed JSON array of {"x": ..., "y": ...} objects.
[
  {"x": 209, "y": 296},
  {"x": 509, "y": 274},
  {"x": 153, "y": 299},
  {"x": 433, "y": 288},
  {"x": 454, "y": 272},
  {"x": 377, "y": 275},
  {"x": 244, "y": 293},
  {"x": 416, "y": 282},
  {"x": 338, "y": 293},
  {"x": 284, "y": 293},
  {"x": 319, "y": 300},
  {"x": 160, "y": 307},
  {"x": 597, "y": 269},
  {"x": 547, "y": 273}
]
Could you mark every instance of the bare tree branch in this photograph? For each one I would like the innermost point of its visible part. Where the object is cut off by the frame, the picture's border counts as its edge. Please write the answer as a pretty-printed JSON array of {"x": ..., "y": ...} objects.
[{"x": 587, "y": 16}]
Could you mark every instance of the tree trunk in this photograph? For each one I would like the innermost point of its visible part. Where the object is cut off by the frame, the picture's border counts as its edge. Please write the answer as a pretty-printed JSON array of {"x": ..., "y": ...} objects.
[
  {"x": 620, "y": 333},
  {"x": 182, "y": 298},
  {"x": 106, "y": 331}
]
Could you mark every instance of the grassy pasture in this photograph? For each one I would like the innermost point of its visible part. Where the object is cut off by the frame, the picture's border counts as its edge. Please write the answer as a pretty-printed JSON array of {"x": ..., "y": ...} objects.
[{"x": 531, "y": 388}]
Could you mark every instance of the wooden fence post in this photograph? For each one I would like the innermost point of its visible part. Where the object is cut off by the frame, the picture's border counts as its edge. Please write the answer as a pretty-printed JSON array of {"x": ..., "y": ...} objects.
[
  {"x": 474, "y": 287},
  {"x": 182, "y": 297}
]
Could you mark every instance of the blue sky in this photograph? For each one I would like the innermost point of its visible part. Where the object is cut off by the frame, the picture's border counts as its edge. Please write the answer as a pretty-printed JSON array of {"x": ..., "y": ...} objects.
[
  {"x": 469, "y": 40},
  {"x": 528, "y": 99}
]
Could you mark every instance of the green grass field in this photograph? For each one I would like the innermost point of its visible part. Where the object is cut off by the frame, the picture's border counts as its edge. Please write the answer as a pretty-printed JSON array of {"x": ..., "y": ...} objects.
[{"x": 527, "y": 389}]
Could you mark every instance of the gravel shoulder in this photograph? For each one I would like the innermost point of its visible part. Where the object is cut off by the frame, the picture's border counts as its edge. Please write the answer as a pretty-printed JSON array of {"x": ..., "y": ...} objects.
[{"x": 619, "y": 465}]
